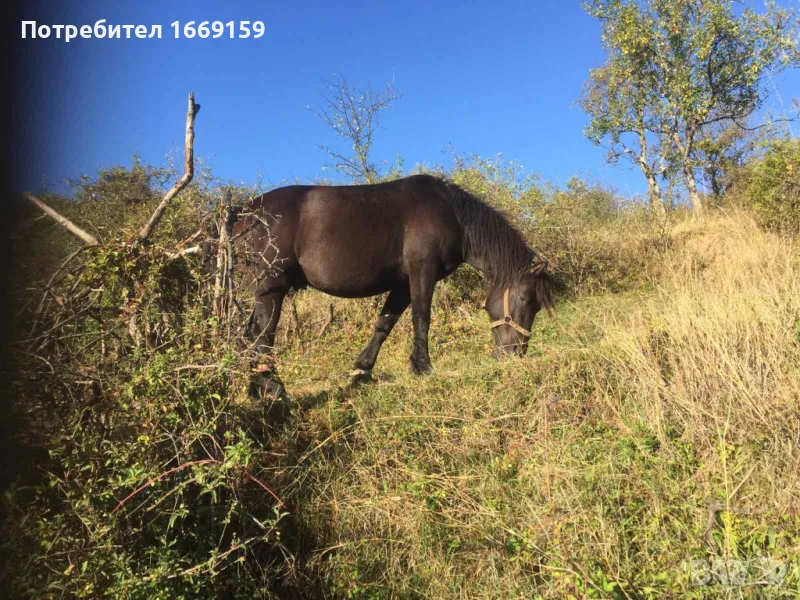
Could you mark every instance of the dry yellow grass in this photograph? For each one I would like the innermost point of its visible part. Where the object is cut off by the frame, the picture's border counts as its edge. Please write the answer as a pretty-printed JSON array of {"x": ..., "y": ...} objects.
[
  {"x": 717, "y": 344},
  {"x": 585, "y": 469}
]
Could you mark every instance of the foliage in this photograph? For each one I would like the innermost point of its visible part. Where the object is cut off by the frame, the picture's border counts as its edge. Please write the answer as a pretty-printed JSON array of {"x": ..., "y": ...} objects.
[
  {"x": 618, "y": 98},
  {"x": 136, "y": 390},
  {"x": 674, "y": 69},
  {"x": 116, "y": 197},
  {"x": 721, "y": 152},
  {"x": 578, "y": 227},
  {"x": 770, "y": 185}
]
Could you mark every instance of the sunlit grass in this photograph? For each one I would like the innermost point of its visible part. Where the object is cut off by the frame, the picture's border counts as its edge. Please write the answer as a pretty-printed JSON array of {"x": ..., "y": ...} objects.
[{"x": 586, "y": 468}]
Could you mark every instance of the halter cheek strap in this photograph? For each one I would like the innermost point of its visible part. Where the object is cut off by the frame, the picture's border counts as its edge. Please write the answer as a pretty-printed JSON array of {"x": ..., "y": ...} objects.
[{"x": 507, "y": 320}]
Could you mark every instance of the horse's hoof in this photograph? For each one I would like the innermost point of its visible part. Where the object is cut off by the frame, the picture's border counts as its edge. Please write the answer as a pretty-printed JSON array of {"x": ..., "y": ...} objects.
[
  {"x": 358, "y": 376},
  {"x": 269, "y": 390},
  {"x": 422, "y": 369}
]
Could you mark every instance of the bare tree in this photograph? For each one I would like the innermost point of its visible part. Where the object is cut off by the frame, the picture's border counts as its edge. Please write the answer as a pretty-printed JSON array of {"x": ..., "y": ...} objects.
[{"x": 354, "y": 114}]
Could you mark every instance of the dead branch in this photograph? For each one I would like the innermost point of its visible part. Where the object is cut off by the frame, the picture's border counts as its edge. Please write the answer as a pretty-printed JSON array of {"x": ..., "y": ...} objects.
[
  {"x": 150, "y": 482},
  {"x": 188, "y": 174},
  {"x": 326, "y": 324},
  {"x": 191, "y": 250},
  {"x": 224, "y": 275},
  {"x": 716, "y": 507},
  {"x": 79, "y": 233}
]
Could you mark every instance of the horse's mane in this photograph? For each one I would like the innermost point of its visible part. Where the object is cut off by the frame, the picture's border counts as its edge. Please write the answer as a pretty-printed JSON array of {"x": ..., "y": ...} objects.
[{"x": 489, "y": 234}]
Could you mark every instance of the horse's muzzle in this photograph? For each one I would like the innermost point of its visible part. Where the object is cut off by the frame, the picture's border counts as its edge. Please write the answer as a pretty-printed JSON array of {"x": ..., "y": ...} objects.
[{"x": 502, "y": 352}]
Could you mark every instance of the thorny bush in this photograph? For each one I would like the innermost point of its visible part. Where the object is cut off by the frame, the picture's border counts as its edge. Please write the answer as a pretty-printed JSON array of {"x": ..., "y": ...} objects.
[{"x": 152, "y": 484}]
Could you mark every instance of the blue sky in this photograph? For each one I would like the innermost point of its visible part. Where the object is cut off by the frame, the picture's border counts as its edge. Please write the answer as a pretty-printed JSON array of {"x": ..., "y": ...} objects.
[{"x": 484, "y": 77}]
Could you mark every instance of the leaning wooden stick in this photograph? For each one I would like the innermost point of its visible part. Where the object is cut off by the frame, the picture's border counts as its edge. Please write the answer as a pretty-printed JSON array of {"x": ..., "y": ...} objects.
[
  {"x": 188, "y": 174},
  {"x": 79, "y": 233}
]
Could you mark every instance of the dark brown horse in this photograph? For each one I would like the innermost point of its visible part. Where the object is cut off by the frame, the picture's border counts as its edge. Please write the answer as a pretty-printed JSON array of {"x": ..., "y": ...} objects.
[{"x": 399, "y": 237}]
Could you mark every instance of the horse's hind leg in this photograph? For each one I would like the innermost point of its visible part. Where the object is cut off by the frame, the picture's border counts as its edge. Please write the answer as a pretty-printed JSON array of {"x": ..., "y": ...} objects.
[
  {"x": 262, "y": 326},
  {"x": 397, "y": 301},
  {"x": 422, "y": 281}
]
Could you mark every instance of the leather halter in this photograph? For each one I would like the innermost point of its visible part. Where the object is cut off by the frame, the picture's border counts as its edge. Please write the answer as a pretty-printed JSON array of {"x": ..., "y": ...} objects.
[{"x": 507, "y": 320}]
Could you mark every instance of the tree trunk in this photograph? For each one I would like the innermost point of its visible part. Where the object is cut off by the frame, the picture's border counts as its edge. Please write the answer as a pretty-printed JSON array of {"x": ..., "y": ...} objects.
[
  {"x": 653, "y": 189},
  {"x": 688, "y": 174},
  {"x": 694, "y": 196},
  {"x": 654, "y": 193},
  {"x": 716, "y": 187}
]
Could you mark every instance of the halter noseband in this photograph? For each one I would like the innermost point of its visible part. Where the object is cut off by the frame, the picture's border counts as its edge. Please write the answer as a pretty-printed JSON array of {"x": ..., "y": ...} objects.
[{"x": 507, "y": 320}]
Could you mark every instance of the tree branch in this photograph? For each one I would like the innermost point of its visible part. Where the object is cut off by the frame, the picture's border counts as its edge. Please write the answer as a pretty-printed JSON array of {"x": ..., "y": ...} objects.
[
  {"x": 188, "y": 174},
  {"x": 79, "y": 233}
]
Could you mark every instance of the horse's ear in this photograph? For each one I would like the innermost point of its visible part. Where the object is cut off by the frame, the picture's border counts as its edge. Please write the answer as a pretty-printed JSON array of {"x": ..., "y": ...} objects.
[{"x": 538, "y": 267}]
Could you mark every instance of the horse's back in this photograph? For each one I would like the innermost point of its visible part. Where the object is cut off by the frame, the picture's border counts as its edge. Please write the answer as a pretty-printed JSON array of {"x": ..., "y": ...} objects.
[
  {"x": 349, "y": 240},
  {"x": 358, "y": 240}
]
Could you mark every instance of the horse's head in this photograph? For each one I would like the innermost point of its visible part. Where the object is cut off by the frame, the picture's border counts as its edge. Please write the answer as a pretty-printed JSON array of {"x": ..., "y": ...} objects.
[{"x": 512, "y": 309}]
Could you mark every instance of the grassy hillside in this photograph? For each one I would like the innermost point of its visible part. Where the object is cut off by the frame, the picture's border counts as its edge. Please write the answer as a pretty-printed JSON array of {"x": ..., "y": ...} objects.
[
  {"x": 643, "y": 430},
  {"x": 655, "y": 421}
]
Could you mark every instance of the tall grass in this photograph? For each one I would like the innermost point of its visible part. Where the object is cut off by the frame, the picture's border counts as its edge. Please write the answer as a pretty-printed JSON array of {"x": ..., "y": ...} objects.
[
  {"x": 654, "y": 422},
  {"x": 646, "y": 429}
]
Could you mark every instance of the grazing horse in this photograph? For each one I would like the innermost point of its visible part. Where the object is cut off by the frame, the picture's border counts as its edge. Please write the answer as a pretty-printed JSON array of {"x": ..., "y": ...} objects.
[{"x": 399, "y": 237}]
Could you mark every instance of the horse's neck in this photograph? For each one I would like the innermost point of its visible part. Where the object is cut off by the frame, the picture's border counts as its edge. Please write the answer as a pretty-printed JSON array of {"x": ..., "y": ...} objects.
[
  {"x": 477, "y": 257},
  {"x": 476, "y": 260},
  {"x": 482, "y": 258}
]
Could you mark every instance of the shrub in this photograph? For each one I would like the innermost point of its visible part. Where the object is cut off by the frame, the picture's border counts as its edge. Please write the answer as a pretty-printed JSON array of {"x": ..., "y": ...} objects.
[
  {"x": 770, "y": 185},
  {"x": 152, "y": 483},
  {"x": 595, "y": 240},
  {"x": 134, "y": 392}
]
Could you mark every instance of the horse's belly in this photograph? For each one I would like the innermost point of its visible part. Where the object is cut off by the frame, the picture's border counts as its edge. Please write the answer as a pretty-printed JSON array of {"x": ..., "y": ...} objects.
[
  {"x": 349, "y": 248},
  {"x": 349, "y": 275}
]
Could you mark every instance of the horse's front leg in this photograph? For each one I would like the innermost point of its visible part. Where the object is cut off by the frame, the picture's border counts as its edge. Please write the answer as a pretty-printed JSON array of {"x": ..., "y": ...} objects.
[
  {"x": 263, "y": 323},
  {"x": 422, "y": 281},
  {"x": 397, "y": 301}
]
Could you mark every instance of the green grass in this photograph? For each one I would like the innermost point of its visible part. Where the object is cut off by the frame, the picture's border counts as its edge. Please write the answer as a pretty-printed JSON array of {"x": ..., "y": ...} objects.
[
  {"x": 645, "y": 428},
  {"x": 585, "y": 469}
]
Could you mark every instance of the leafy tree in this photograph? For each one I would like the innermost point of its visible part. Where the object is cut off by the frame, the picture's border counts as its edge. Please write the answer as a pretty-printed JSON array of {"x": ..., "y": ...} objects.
[
  {"x": 354, "y": 114},
  {"x": 674, "y": 69},
  {"x": 722, "y": 152},
  {"x": 618, "y": 98},
  {"x": 770, "y": 185}
]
